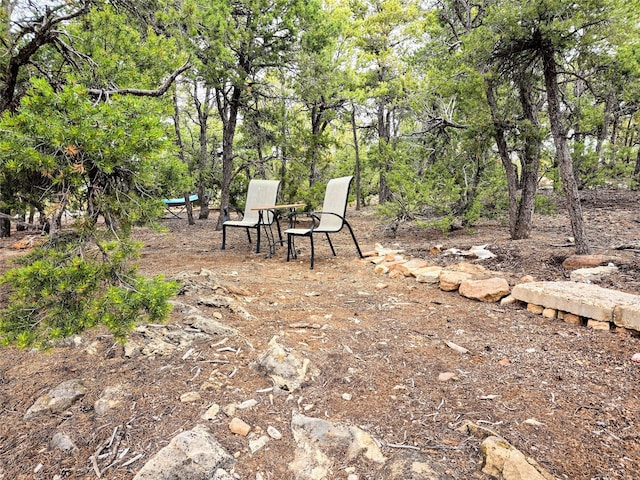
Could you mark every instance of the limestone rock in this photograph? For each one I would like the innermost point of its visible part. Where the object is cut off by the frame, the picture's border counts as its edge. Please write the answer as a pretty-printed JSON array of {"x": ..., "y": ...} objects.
[
  {"x": 581, "y": 299},
  {"x": 210, "y": 326},
  {"x": 408, "y": 268},
  {"x": 63, "y": 442},
  {"x": 110, "y": 398},
  {"x": 286, "y": 369},
  {"x": 502, "y": 460},
  {"x": 594, "y": 274},
  {"x": 317, "y": 442},
  {"x": 429, "y": 275},
  {"x": 58, "y": 399},
  {"x": 450, "y": 280},
  {"x": 412, "y": 466},
  {"x": 191, "y": 454},
  {"x": 489, "y": 290},
  {"x": 627, "y": 316}
]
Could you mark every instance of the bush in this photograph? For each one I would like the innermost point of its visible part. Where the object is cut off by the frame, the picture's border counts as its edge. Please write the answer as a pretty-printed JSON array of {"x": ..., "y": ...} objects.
[{"x": 60, "y": 290}]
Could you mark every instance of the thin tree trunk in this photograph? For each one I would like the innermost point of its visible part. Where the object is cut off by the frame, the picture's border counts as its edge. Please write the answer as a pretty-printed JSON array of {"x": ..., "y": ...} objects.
[
  {"x": 356, "y": 147},
  {"x": 562, "y": 150},
  {"x": 176, "y": 124},
  {"x": 503, "y": 152},
  {"x": 530, "y": 163},
  {"x": 230, "y": 120}
]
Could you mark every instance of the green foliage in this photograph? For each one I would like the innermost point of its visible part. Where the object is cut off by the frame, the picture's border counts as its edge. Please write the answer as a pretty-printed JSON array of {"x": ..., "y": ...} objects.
[
  {"x": 110, "y": 158},
  {"x": 545, "y": 205},
  {"x": 63, "y": 289}
]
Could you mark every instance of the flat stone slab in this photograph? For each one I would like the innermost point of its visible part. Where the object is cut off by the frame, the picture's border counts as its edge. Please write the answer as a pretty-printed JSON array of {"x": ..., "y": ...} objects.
[{"x": 585, "y": 300}]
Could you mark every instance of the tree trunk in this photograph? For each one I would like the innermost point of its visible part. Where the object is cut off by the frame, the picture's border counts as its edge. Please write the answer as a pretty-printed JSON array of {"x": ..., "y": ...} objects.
[
  {"x": 176, "y": 125},
  {"x": 229, "y": 120},
  {"x": 203, "y": 140},
  {"x": 530, "y": 163},
  {"x": 562, "y": 150},
  {"x": 356, "y": 147},
  {"x": 384, "y": 134},
  {"x": 503, "y": 151},
  {"x": 5, "y": 224}
]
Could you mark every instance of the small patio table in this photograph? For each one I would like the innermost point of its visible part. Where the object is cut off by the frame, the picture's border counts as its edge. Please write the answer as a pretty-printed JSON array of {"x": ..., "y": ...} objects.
[{"x": 275, "y": 209}]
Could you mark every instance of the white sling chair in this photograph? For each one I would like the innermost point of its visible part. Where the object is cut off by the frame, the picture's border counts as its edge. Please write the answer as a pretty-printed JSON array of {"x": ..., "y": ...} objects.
[
  {"x": 260, "y": 193},
  {"x": 330, "y": 220}
]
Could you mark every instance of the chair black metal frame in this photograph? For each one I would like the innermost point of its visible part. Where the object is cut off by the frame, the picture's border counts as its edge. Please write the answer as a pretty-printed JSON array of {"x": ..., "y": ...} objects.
[{"x": 330, "y": 220}]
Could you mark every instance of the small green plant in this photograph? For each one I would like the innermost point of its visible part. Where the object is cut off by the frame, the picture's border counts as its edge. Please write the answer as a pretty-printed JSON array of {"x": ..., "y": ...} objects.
[
  {"x": 60, "y": 290},
  {"x": 544, "y": 205}
]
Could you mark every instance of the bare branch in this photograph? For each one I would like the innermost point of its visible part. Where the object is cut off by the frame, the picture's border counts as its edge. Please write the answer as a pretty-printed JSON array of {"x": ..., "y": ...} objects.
[{"x": 158, "y": 92}]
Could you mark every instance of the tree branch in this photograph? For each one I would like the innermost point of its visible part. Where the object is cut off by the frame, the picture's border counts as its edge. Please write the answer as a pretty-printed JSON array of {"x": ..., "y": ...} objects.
[{"x": 158, "y": 92}]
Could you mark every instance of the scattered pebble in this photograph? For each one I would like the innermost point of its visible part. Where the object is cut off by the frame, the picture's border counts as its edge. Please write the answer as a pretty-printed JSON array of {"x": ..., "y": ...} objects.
[
  {"x": 239, "y": 427},
  {"x": 636, "y": 357},
  {"x": 274, "y": 433},
  {"x": 446, "y": 376}
]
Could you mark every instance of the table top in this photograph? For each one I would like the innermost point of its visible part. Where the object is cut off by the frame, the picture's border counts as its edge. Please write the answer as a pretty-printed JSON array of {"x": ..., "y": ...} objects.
[{"x": 276, "y": 207}]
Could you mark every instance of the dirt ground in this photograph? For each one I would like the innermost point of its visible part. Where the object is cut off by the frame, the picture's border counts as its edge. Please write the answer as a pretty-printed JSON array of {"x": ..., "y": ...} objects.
[{"x": 568, "y": 396}]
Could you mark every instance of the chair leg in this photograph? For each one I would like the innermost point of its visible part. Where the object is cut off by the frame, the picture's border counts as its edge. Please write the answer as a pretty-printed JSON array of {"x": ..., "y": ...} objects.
[
  {"x": 330, "y": 244},
  {"x": 248, "y": 234},
  {"x": 258, "y": 239},
  {"x": 354, "y": 239},
  {"x": 279, "y": 231},
  {"x": 289, "y": 246},
  {"x": 312, "y": 250},
  {"x": 224, "y": 236}
]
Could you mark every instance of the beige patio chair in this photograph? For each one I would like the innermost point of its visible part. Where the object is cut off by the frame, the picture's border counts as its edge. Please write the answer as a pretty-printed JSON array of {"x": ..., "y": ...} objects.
[
  {"x": 260, "y": 193},
  {"x": 330, "y": 220}
]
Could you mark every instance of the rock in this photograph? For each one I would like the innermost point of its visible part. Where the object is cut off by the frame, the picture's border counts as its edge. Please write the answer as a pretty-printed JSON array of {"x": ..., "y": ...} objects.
[
  {"x": 381, "y": 269},
  {"x": 211, "y": 413},
  {"x": 316, "y": 439},
  {"x": 596, "y": 325},
  {"x": 191, "y": 454},
  {"x": 429, "y": 275},
  {"x": 446, "y": 376},
  {"x": 583, "y": 300},
  {"x": 594, "y": 274},
  {"x": 210, "y": 326},
  {"x": 503, "y": 461},
  {"x": 412, "y": 466},
  {"x": 508, "y": 300},
  {"x": 63, "y": 442},
  {"x": 287, "y": 370},
  {"x": 256, "y": 444},
  {"x": 489, "y": 290},
  {"x": 110, "y": 398},
  {"x": 450, "y": 280},
  {"x": 58, "y": 399},
  {"x": 627, "y": 316},
  {"x": 274, "y": 433},
  {"x": 190, "y": 397},
  {"x": 239, "y": 427},
  {"x": 571, "y": 319},
  {"x": 583, "y": 261},
  {"x": 409, "y": 268},
  {"x": 549, "y": 313}
]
